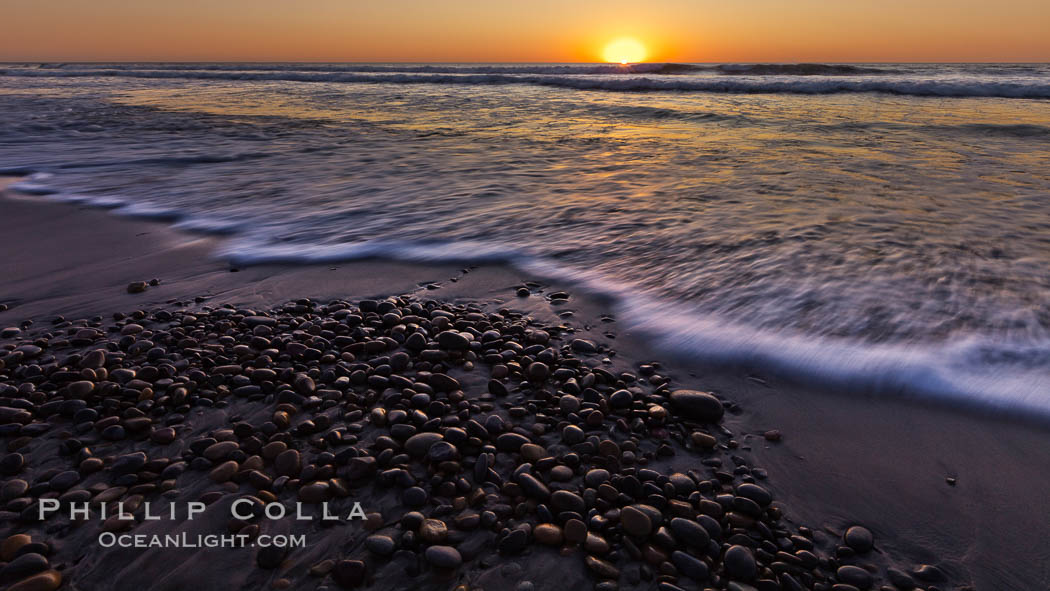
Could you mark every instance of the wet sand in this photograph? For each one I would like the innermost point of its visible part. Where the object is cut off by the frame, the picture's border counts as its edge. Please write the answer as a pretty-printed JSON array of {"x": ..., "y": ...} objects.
[{"x": 934, "y": 486}]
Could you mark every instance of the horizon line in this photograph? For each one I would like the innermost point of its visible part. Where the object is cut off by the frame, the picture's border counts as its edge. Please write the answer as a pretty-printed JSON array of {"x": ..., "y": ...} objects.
[{"x": 318, "y": 61}]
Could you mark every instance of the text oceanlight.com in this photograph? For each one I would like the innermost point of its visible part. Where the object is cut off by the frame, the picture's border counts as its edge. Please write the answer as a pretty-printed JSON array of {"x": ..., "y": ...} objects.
[{"x": 184, "y": 540}]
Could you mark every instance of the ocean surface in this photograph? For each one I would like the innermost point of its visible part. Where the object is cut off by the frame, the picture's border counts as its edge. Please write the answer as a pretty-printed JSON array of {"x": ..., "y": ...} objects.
[{"x": 875, "y": 227}]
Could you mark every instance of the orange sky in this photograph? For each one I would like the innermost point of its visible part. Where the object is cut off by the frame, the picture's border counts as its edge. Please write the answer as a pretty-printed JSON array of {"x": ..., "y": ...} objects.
[{"x": 525, "y": 30}]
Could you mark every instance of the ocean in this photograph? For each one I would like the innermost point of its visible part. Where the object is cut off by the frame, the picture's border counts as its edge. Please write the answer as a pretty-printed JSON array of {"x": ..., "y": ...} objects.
[{"x": 878, "y": 228}]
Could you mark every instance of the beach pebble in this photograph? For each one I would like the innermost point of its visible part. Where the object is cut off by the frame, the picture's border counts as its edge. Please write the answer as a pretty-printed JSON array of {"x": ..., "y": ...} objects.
[
  {"x": 349, "y": 573},
  {"x": 601, "y": 568},
  {"x": 635, "y": 522},
  {"x": 859, "y": 538},
  {"x": 575, "y": 531},
  {"x": 288, "y": 463},
  {"x": 64, "y": 480},
  {"x": 531, "y": 452},
  {"x": 740, "y": 563},
  {"x": 698, "y": 406},
  {"x": 856, "y": 576},
  {"x": 445, "y": 557},
  {"x": 453, "y": 340},
  {"x": 691, "y": 533},
  {"x": 900, "y": 579},
  {"x": 26, "y": 564},
  {"x": 220, "y": 451},
  {"x": 13, "y": 488},
  {"x": 381, "y": 545},
  {"x": 929, "y": 573},
  {"x": 224, "y": 471},
  {"x": 690, "y": 566},
  {"x": 583, "y": 346},
  {"x": 12, "y": 544},
  {"x": 419, "y": 445},
  {"x": 596, "y": 477},
  {"x": 703, "y": 440},
  {"x": 548, "y": 533},
  {"x": 565, "y": 500},
  {"x": 163, "y": 435},
  {"x": 45, "y": 581},
  {"x": 414, "y": 497},
  {"x": 12, "y": 464},
  {"x": 433, "y": 531},
  {"x": 755, "y": 493},
  {"x": 137, "y": 287},
  {"x": 315, "y": 492}
]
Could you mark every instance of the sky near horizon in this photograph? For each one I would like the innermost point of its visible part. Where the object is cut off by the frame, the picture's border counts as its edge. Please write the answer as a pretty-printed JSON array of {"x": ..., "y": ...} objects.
[{"x": 526, "y": 31}]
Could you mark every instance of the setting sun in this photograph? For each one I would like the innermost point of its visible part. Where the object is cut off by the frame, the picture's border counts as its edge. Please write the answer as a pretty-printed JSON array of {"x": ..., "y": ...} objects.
[{"x": 624, "y": 51}]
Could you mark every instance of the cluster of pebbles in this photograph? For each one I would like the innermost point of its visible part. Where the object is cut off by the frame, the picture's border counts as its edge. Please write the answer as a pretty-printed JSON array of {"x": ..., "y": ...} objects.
[{"x": 470, "y": 435}]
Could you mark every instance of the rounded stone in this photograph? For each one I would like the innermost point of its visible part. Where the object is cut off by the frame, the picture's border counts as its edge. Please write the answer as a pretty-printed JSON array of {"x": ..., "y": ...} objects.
[
  {"x": 13, "y": 489},
  {"x": 692, "y": 533},
  {"x": 859, "y": 538},
  {"x": 635, "y": 522},
  {"x": 414, "y": 496},
  {"x": 12, "y": 463},
  {"x": 595, "y": 477},
  {"x": 45, "y": 581},
  {"x": 288, "y": 463},
  {"x": 315, "y": 492},
  {"x": 564, "y": 500},
  {"x": 572, "y": 434},
  {"x": 621, "y": 399},
  {"x": 63, "y": 481},
  {"x": 12, "y": 544},
  {"x": 575, "y": 531},
  {"x": 531, "y": 452},
  {"x": 349, "y": 573},
  {"x": 220, "y": 451},
  {"x": 224, "y": 471},
  {"x": 381, "y": 545},
  {"x": 690, "y": 566},
  {"x": 453, "y": 340},
  {"x": 740, "y": 563},
  {"x": 445, "y": 557},
  {"x": 419, "y": 444},
  {"x": 755, "y": 493},
  {"x": 548, "y": 533},
  {"x": 854, "y": 575},
  {"x": 698, "y": 406},
  {"x": 24, "y": 565}
]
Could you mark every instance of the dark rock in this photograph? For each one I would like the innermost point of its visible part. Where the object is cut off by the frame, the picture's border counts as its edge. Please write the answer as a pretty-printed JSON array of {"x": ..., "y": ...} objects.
[
  {"x": 698, "y": 406},
  {"x": 349, "y": 573},
  {"x": 740, "y": 563},
  {"x": 854, "y": 575},
  {"x": 690, "y": 566},
  {"x": 859, "y": 538},
  {"x": 445, "y": 557}
]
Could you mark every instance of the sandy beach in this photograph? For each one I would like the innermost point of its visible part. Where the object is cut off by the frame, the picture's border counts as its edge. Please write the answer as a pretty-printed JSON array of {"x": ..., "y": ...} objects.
[{"x": 950, "y": 500}]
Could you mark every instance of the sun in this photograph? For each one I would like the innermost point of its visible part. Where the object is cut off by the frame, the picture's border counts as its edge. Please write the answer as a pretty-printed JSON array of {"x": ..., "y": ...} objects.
[{"x": 624, "y": 51}]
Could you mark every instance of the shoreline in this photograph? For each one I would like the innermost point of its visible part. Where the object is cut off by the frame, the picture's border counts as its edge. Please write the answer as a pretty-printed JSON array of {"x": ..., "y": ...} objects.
[{"x": 844, "y": 459}]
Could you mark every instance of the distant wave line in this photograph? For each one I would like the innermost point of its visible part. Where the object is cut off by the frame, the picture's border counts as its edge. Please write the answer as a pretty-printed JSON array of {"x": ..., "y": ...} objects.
[
  {"x": 662, "y": 68},
  {"x": 923, "y": 87}
]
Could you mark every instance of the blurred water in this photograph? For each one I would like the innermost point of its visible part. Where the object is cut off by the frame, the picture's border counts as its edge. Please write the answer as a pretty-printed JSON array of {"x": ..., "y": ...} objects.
[{"x": 886, "y": 225}]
